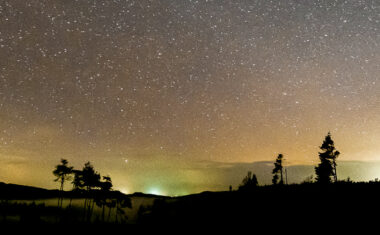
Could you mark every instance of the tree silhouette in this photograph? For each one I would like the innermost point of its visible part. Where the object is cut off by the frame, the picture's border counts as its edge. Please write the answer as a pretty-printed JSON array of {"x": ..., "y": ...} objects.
[
  {"x": 278, "y": 170},
  {"x": 122, "y": 202},
  {"x": 249, "y": 182},
  {"x": 91, "y": 180},
  {"x": 111, "y": 203},
  {"x": 87, "y": 179},
  {"x": 105, "y": 188},
  {"x": 327, "y": 168},
  {"x": 77, "y": 181},
  {"x": 63, "y": 173},
  {"x": 106, "y": 185}
]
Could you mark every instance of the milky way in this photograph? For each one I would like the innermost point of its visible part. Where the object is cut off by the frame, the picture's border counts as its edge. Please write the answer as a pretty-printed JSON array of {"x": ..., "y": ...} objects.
[{"x": 151, "y": 92}]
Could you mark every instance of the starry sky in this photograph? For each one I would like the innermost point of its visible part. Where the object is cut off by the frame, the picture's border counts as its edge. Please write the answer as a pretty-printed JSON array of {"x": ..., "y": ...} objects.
[{"x": 165, "y": 95}]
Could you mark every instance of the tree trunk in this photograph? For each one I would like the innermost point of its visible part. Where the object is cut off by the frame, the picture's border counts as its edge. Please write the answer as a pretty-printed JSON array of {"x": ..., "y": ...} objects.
[
  {"x": 91, "y": 209},
  {"x": 109, "y": 214},
  {"x": 103, "y": 213},
  {"x": 85, "y": 209},
  {"x": 286, "y": 176},
  {"x": 335, "y": 175},
  {"x": 116, "y": 212},
  {"x": 61, "y": 192}
]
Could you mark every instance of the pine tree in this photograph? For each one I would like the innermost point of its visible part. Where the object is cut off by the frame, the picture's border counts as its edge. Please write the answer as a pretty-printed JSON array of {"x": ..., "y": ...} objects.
[
  {"x": 87, "y": 179},
  {"x": 326, "y": 170},
  {"x": 278, "y": 170},
  {"x": 62, "y": 172}
]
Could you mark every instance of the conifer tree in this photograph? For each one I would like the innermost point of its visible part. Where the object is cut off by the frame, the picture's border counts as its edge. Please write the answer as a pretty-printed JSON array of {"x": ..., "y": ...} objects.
[
  {"x": 249, "y": 182},
  {"x": 326, "y": 170},
  {"x": 278, "y": 170}
]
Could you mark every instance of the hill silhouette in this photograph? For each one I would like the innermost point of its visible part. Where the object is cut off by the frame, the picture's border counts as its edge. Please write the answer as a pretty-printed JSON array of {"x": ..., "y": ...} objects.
[
  {"x": 11, "y": 191},
  {"x": 15, "y": 191},
  {"x": 306, "y": 204}
]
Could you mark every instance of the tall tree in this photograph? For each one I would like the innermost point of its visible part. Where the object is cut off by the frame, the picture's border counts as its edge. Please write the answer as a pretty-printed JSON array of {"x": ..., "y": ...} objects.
[
  {"x": 77, "y": 183},
  {"x": 105, "y": 187},
  {"x": 90, "y": 178},
  {"x": 87, "y": 179},
  {"x": 78, "y": 180},
  {"x": 326, "y": 170},
  {"x": 63, "y": 173},
  {"x": 278, "y": 170},
  {"x": 122, "y": 201}
]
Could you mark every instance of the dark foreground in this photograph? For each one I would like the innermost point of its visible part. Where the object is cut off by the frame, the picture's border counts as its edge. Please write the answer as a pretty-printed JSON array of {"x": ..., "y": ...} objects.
[
  {"x": 288, "y": 205},
  {"x": 307, "y": 204}
]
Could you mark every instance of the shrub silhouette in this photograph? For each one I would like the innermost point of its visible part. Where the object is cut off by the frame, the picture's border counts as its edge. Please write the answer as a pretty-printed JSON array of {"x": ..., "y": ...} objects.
[{"x": 249, "y": 182}]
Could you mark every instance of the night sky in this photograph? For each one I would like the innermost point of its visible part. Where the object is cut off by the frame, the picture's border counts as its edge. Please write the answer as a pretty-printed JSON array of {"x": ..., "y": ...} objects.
[{"x": 165, "y": 95}]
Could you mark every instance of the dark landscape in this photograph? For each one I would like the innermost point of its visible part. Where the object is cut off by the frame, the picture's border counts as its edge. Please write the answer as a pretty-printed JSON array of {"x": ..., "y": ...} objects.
[
  {"x": 220, "y": 113},
  {"x": 303, "y": 203}
]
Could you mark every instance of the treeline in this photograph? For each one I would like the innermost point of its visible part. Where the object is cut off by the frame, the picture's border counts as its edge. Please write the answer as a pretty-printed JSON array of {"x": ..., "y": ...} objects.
[
  {"x": 325, "y": 171},
  {"x": 95, "y": 190}
]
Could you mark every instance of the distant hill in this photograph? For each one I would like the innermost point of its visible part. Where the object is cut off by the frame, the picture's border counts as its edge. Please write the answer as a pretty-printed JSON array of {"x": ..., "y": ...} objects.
[{"x": 15, "y": 191}]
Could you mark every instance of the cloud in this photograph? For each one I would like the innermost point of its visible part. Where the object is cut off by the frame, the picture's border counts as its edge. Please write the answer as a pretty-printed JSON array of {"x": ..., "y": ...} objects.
[
  {"x": 233, "y": 173},
  {"x": 12, "y": 160}
]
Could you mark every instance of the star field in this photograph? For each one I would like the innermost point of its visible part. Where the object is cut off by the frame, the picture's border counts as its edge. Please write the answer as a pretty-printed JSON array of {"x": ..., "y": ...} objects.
[{"x": 148, "y": 89}]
